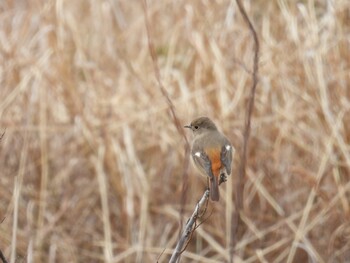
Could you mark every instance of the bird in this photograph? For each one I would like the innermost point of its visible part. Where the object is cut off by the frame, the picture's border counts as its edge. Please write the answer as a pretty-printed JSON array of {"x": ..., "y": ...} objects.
[{"x": 211, "y": 153}]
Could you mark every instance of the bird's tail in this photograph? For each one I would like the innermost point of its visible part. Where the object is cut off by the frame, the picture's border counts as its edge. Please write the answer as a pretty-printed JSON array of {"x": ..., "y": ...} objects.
[{"x": 214, "y": 189}]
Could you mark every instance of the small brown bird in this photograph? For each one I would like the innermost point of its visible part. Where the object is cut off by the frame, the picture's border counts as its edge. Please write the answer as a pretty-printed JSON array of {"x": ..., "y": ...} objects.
[{"x": 211, "y": 153}]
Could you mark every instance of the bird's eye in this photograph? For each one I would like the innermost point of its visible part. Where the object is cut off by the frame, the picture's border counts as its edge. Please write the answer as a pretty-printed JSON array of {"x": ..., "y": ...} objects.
[{"x": 196, "y": 127}]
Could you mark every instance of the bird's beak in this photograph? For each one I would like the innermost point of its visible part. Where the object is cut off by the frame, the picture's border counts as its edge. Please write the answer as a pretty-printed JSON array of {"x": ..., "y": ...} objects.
[{"x": 188, "y": 126}]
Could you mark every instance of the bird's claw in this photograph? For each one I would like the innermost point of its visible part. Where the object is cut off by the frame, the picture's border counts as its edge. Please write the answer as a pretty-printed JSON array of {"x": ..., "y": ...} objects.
[{"x": 223, "y": 178}]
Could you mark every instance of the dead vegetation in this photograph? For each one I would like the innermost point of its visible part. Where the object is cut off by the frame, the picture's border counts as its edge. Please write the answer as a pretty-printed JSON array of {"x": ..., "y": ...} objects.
[{"x": 92, "y": 164}]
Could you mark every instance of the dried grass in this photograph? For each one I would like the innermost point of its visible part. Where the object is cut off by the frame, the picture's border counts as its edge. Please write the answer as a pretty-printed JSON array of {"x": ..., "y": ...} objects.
[{"x": 92, "y": 163}]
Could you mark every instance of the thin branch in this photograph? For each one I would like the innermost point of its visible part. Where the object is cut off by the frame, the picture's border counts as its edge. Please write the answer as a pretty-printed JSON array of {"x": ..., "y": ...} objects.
[
  {"x": 161, "y": 254},
  {"x": 242, "y": 167},
  {"x": 175, "y": 119},
  {"x": 2, "y": 135},
  {"x": 197, "y": 225},
  {"x": 164, "y": 92},
  {"x": 190, "y": 227},
  {"x": 251, "y": 98},
  {"x": 2, "y": 257}
]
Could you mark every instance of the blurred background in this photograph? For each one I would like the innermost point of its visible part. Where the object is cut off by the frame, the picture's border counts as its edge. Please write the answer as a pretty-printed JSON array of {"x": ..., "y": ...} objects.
[{"x": 92, "y": 164}]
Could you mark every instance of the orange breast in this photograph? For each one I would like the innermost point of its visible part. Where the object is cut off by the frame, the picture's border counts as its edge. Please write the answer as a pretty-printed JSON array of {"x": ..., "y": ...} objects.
[{"x": 214, "y": 156}]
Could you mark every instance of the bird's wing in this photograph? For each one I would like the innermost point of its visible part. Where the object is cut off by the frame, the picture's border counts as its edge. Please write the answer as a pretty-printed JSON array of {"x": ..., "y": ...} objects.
[
  {"x": 226, "y": 156},
  {"x": 202, "y": 161}
]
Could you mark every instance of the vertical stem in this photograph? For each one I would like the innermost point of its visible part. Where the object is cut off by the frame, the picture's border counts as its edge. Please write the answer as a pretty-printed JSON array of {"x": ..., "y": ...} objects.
[{"x": 242, "y": 167}]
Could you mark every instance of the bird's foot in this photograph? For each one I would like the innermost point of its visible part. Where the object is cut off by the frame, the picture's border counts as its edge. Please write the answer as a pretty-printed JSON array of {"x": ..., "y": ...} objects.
[{"x": 223, "y": 178}]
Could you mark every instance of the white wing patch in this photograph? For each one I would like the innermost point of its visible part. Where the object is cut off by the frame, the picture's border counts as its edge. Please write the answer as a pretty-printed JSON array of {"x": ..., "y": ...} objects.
[{"x": 198, "y": 154}]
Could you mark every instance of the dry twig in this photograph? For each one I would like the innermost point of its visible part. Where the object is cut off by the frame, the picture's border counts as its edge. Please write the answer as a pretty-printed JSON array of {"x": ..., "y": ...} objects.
[
  {"x": 2, "y": 257},
  {"x": 189, "y": 228},
  {"x": 176, "y": 120},
  {"x": 242, "y": 167},
  {"x": 2, "y": 135}
]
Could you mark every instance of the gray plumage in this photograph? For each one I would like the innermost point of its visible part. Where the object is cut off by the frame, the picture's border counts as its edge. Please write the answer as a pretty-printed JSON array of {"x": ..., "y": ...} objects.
[{"x": 211, "y": 153}]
